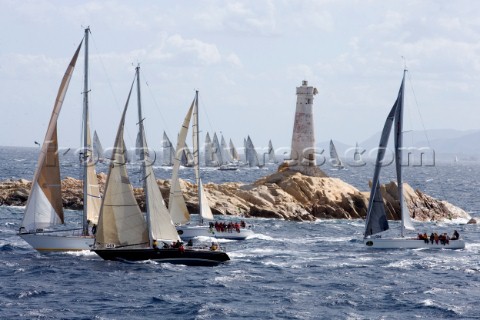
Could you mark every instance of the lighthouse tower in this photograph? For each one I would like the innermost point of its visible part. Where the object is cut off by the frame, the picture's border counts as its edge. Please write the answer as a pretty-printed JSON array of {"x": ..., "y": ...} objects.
[{"x": 302, "y": 156}]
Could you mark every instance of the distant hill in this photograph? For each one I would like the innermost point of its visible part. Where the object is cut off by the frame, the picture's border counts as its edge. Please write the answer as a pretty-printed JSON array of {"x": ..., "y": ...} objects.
[{"x": 447, "y": 143}]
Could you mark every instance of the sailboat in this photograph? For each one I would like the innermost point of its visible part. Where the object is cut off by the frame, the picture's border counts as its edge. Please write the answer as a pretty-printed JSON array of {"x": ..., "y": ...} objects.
[
  {"x": 217, "y": 151},
  {"x": 187, "y": 157},
  {"x": 123, "y": 232},
  {"x": 357, "y": 156},
  {"x": 251, "y": 156},
  {"x": 229, "y": 164},
  {"x": 178, "y": 208},
  {"x": 167, "y": 150},
  {"x": 376, "y": 220},
  {"x": 44, "y": 209},
  {"x": 271, "y": 153},
  {"x": 98, "y": 153},
  {"x": 334, "y": 158},
  {"x": 208, "y": 151},
  {"x": 233, "y": 151}
]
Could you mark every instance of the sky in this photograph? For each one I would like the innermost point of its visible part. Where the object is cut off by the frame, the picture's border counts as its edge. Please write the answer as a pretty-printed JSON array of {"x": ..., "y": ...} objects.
[{"x": 246, "y": 58}]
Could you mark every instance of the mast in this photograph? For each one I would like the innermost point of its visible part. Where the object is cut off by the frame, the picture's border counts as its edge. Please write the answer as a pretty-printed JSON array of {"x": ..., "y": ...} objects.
[
  {"x": 196, "y": 153},
  {"x": 398, "y": 154},
  {"x": 85, "y": 138},
  {"x": 142, "y": 153}
]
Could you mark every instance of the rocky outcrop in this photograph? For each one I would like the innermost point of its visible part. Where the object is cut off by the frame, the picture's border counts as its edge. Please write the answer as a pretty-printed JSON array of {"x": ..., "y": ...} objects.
[{"x": 285, "y": 195}]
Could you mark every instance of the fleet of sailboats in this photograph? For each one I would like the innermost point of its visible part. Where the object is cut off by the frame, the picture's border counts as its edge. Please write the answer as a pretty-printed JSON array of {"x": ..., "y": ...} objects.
[
  {"x": 44, "y": 210},
  {"x": 376, "y": 220}
]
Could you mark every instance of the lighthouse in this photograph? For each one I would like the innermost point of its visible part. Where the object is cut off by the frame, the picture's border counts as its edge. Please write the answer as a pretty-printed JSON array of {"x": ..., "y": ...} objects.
[{"x": 302, "y": 156}]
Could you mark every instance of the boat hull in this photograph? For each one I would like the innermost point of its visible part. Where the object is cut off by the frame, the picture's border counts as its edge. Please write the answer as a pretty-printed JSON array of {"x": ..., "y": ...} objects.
[
  {"x": 404, "y": 243},
  {"x": 189, "y": 232},
  {"x": 190, "y": 257},
  {"x": 55, "y": 242}
]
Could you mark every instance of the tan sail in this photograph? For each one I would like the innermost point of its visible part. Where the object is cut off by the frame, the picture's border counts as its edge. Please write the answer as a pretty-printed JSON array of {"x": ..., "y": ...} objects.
[
  {"x": 121, "y": 223},
  {"x": 176, "y": 203},
  {"x": 44, "y": 205},
  {"x": 93, "y": 190},
  {"x": 204, "y": 209}
]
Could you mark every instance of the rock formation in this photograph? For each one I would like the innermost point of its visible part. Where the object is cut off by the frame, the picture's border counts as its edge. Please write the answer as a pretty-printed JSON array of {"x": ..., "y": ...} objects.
[{"x": 285, "y": 195}]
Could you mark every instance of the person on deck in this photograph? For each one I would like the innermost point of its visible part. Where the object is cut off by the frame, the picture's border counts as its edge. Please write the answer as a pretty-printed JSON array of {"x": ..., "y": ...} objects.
[{"x": 455, "y": 236}]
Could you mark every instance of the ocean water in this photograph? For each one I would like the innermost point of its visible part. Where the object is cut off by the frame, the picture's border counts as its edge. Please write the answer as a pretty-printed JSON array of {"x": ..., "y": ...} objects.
[{"x": 288, "y": 270}]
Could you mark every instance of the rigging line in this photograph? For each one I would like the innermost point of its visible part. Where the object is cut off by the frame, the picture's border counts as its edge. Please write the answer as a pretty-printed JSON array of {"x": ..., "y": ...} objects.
[
  {"x": 204, "y": 110},
  {"x": 426, "y": 135},
  {"x": 109, "y": 82},
  {"x": 155, "y": 101}
]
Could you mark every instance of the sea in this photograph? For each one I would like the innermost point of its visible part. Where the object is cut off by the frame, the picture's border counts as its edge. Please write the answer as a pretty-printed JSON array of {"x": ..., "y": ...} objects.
[{"x": 288, "y": 270}]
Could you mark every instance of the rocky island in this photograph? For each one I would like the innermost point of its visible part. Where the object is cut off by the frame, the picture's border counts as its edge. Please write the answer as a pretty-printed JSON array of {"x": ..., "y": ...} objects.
[{"x": 285, "y": 195}]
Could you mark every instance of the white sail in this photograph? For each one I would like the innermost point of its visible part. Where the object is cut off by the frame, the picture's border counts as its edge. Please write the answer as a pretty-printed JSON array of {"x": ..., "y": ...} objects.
[
  {"x": 226, "y": 156},
  {"x": 271, "y": 153},
  {"x": 98, "y": 152},
  {"x": 168, "y": 151},
  {"x": 233, "y": 151},
  {"x": 121, "y": 223},
  {"x": 176, "y": 203},
  {"x": 159, "y": 221},
  {"x": 251, "y": 155},
  {"x": 334, "y": 158},
  {"x": 44, "y": 205},
  {"x": 92, "y": 194},
  {"x": 208, "y": 152},
  {"x": 217, "y": 151}
]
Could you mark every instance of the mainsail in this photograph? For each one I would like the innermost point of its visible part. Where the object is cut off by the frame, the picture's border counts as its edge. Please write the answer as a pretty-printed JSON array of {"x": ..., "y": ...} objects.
[
  {"x": 217, "y": 151},
  {"x": 97, "y": 147},
  {"x": 168, "y": 151},
  {"x": 208, "y": 152},
  {"x": 271, "y": 153},
  {"x": 233, "y": 151},
  {"x": 357, "y": 156},
  {"x": 334, "y": 158},
  {"x": 44, "y": 205},
  {"x": 226, "y": 156},
  {"x": 376, "y": 220},
  {"x": 251, "y": 155}
]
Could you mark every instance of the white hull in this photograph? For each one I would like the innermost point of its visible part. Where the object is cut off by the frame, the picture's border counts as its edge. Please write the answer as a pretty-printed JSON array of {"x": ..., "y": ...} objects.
[
  {"x": 51, "y": 242},
  {"x": 405, "y": 243},
  {"x": 188, "y": 232}
]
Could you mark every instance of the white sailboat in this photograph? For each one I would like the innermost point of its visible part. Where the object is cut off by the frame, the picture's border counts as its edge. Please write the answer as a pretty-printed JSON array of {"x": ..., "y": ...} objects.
[
  {"x": 233, "y": 151},
  {"x": 187, "y": 157},
  {"x": 123, "y": 231},
  {"x": 251, "y": 156},
  {"x": 334, "y": 158},
  {"x": 168, "y": 151},
  {"x": 229, "y": 164},
  {"x": 178, "y": 208},
  {"x": 209, "y": 162},
  {"x": 376, "y": 220},
  {"x": 271, "y": 153},
  {"x": 44, "y": 210},
  {"x": 98, "y": 153},
  {"x": 357, "y": 156},
  {"x": 217, "y": 151}
]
